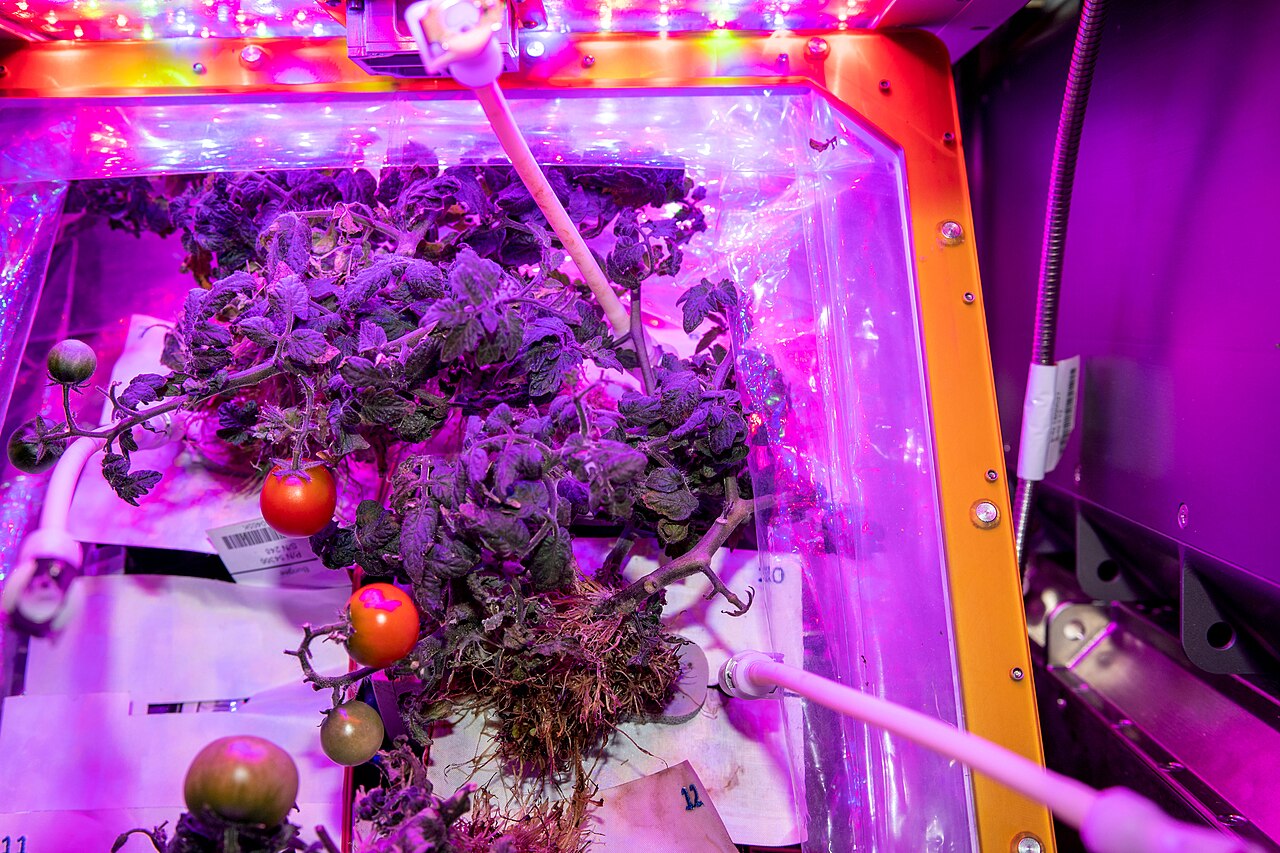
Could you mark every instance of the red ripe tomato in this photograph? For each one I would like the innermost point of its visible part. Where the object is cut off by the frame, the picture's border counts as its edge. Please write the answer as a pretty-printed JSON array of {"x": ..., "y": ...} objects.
[
  {"x": 245, "y": 779},
  {"x": 296, "y": 505},
  {"x": 384, "y": 624}
]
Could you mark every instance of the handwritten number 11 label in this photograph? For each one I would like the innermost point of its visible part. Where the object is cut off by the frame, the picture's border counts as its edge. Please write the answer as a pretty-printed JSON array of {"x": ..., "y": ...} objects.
[
  {"x": 14, "y": 845},
  {"x": 691, "y": 799}
]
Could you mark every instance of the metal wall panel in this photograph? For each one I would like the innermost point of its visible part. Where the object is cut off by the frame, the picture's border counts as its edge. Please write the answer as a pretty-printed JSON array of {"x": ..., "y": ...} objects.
[{"x": 1171, "y": 289}]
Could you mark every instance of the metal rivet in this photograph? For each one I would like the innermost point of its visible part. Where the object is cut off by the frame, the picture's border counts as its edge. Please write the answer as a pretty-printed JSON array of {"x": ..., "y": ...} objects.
[
  {"x": 952, "y": 232},
  {"x": 1017, "y": 674},
  {"x": 198, "y": 68},
  {"x": 588, "y": 61},
  {"x": 251, "y": 56},
  {"x": 1233, "y": 819},
  {"x": 948, "y": 137},
  {"x": 984, "y": 514},
  {"x": 1184, "y": 515},
  {"x": 817, "y": 48},
  {"x": 1027, "y": 843},
  {"x": 884, "y": 86},
  {"x": 534, "y": 49},
  {"x": 992, "y": 475},
  {"x": 1171, "y": 766},
  {"x": 1073, "y": 631},
  {"x": 969, "y": 297}
]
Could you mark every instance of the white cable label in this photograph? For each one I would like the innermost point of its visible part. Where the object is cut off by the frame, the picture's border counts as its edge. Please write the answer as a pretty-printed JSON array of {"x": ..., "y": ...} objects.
[
  {"x": 1048, "y": 416},
  {"x": 255, "y": 554}
]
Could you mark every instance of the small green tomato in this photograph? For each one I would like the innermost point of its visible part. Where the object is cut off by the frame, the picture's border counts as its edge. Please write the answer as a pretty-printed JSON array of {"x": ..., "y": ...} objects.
[
  {"x": 72, "y": 362},
  {"x": 351, "y": 733}
]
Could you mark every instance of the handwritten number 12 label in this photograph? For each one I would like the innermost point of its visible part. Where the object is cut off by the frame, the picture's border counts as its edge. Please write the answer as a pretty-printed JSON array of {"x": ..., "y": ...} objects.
[{"x": 691, "y": 799}]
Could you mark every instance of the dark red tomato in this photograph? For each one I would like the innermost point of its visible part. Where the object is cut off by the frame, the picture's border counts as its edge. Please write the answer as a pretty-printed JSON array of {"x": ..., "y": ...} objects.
[
  {"x": 71, "y": 362},
  {"x": 384, "y": 624},
  {"x": 245, "y": 779},
  {"x": 351, "y": 733},
  {"x": 299, "y": 504}
]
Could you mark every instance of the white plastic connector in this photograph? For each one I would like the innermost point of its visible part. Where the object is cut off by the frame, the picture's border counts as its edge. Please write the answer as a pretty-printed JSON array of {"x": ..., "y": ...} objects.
[
  {"x": 34, "y": 593},
  {"x": 738, "y": 680},
  {"x": 457, "y": 36}
]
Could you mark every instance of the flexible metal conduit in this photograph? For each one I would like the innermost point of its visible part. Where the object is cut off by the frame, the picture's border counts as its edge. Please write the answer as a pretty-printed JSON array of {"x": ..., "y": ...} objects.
[{"x": 1058, "y": 208}]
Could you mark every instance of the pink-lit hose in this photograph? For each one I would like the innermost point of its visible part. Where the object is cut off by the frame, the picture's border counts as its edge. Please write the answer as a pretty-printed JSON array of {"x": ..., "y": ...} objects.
[
  {"x": 1068, "y": 798},
  {"x": 513, "y": 142},
  {"x": 1112, "y": 821}
]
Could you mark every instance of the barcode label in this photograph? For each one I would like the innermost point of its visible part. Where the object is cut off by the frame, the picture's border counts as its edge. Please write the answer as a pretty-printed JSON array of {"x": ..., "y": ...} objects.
[
  {"x": 255, "y": 554},
  {"x": 250, "y": 537}
]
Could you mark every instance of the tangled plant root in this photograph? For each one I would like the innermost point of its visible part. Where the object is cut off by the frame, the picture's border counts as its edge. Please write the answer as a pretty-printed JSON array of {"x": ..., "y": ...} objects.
[{"x": 559, "y": 701}]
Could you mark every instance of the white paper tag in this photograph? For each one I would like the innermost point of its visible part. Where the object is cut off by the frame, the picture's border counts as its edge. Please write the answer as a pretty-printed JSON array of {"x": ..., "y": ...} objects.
[
  {"x": 1048, "y": 416},
  {"x": 1065, "y": 396},
  {"x": 255, "y": 554},
  {"x": 670, "y": 810}
]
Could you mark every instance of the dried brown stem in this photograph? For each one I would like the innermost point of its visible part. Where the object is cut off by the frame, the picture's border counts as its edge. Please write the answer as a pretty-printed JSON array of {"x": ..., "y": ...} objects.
[
  {"x": 337, "y": 683},
  {"x": 737, "y": 510}
]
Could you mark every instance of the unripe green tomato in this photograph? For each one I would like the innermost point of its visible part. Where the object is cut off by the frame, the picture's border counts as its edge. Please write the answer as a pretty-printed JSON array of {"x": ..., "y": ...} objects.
[
  {"x": 23, "y": 450},
  {"x": 244, "y": 779},
  {"x": 351, "y": 733},
  {"x": 72, "y": 362}
]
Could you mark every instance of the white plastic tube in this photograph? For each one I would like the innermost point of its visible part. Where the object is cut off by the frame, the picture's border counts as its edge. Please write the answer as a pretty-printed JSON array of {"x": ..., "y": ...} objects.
[
  {"x": 62, "y": 482},
  {"x": 498, "y": 111},
  {"x": 1112, "y": 821}
]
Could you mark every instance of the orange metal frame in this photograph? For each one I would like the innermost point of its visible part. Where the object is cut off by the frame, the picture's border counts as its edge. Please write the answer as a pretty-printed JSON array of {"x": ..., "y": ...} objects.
[{"x": 898, "y": 83}]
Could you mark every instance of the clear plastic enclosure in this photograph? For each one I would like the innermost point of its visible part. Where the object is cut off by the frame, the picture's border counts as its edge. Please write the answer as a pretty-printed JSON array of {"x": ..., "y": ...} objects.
[{"x": 808, "y": 215}]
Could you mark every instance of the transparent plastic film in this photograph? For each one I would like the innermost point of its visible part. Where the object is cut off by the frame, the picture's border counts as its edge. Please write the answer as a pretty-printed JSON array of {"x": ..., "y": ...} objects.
[
  {"x": 834, "y": 371},
  {"x": 806, "y": 214}
]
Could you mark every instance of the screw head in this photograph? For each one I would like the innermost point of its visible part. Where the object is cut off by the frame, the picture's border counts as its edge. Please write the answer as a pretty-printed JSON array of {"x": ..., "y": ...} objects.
[
  {"x": 984, "y": 514},
  {"x": 1027, "y": 843},
  {"x": 1017, "y": 674},
  {"x": 198, "y": 68},
  {"x": 588, "y": 61},
  {"x": 952, "y": 232},
  {"x": 948, "y": 137},
  {"x": 784, "y": 59},
  {"x": 251, "y": 56},
  {"x": 969, "y": 297},
  {"x": 884, "y": 86},
  {"x": 817, "y": 48},
  {"x": 1184, "y": 516},
  {"x": 992, "y": 475}
]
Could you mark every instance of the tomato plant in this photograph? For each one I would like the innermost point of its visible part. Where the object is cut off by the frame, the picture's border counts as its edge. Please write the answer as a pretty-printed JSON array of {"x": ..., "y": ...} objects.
[
  {"x": 299, "y": 503},
  {"x": 71, "y": 362},
  {"x": 384, "y": 624},
  {"x": 351, "y": 733},
  {"x": 246, "y": 779}
]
